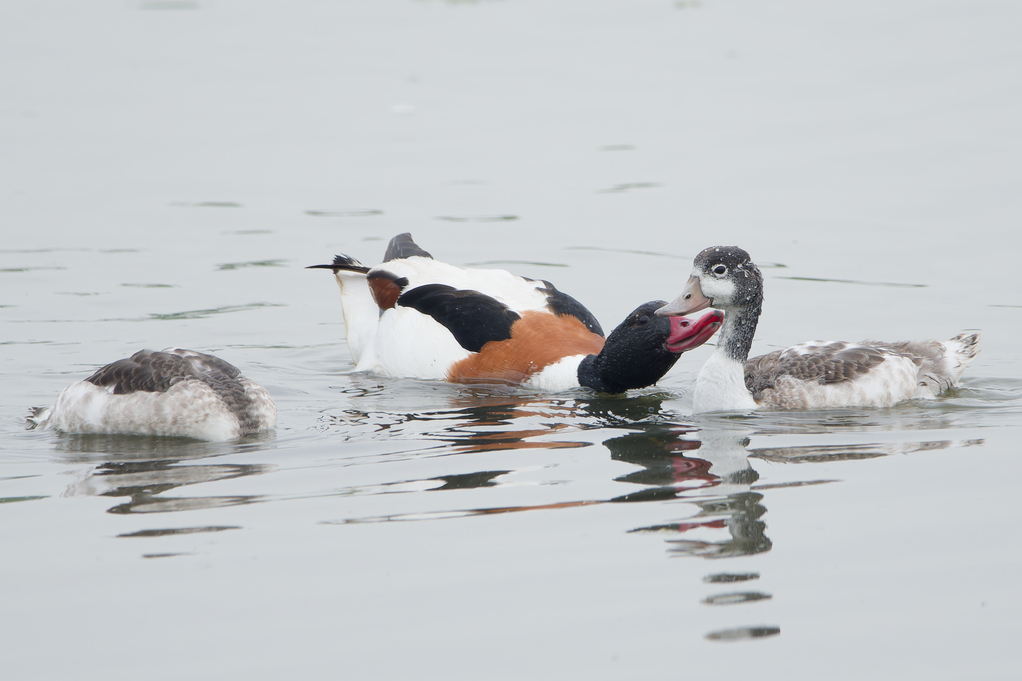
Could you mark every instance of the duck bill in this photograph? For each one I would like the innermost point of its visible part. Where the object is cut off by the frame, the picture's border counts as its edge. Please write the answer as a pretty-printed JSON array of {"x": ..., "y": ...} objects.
[
  {"x": 689, "y": 333},
  {"x": 691, "y": 300}
]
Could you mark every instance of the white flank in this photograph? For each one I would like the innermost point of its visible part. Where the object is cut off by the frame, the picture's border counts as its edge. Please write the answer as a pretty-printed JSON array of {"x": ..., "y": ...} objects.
[
  {"x": 188, "y": 409},
  {"x": 404, "y": 342},
  {"x": 561, "y": 375},
  {"x": 894, "y": 380},
  {"x": 409, "y": 343}
]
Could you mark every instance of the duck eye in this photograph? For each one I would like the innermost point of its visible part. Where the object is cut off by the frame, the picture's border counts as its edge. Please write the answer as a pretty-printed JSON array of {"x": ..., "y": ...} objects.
[
  {"x": 643, "y": 319},
  {"x": 720, "y": 270}
]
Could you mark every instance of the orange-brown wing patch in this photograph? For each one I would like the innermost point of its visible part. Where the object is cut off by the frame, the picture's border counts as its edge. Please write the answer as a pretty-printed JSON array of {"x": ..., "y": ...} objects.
[
  {"x": 386, "y": 288},
  {"x": 537, "y": 340}
]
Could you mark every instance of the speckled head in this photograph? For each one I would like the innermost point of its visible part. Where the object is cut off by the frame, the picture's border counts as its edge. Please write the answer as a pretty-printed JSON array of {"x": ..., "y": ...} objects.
[
  {"x": 729, "y": 278},
  {"x": 723, "y": 277}
]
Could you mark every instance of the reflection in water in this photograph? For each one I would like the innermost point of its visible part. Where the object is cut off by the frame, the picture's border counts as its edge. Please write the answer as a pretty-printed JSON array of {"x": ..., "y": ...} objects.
[
  {"x": 435, "y": 484},
  {"x": 735, "y": 598},
  {"x": 477, "y": 218},
  {"x": 625, "y": 410},
  {"x": 702, "y": 477},
  {"x": 11, "y": 500},
  {"x": 343, "y": 213},
  {"x": 629, "y": 186},
  {"x": 198, "y": 204},
  {"x": 706, "y": 468},
  {"x": 469, "y": 480},
  {"x": 717, "y": 482},
  {"x": 739, "y": 514},
  {"x": 714, "y": 474},
  {"x": 144, "y": 469},
  {"x": 252, "y": 263},
  {"x": 180, "y": 530},
  {"x": 699, "y": 479},
  {"x": 825, "y": 453},
  {"x": 854, "y": 281},
  {"x": 728, "y": 578},
  {"x": 740, "y": 633}
]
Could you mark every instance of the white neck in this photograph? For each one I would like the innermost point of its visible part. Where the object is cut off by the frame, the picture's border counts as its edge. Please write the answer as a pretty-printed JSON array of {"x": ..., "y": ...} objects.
[{"x": 721, "y": 385}]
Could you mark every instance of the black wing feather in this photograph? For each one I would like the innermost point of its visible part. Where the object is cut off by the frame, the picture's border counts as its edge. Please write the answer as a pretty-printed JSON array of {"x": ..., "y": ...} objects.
[
  {"x": 474, "y": 318},
  {"x": 563, "y": 304}
]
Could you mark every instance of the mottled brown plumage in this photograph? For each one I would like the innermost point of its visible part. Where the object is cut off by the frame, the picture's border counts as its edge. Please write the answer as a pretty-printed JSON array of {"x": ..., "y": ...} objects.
[
  {"x": 155, "y": 372},
  {"x": 826, "y": 363},
  {"x": 816, "y": 375},
  {"x": 174, "y": 392}
]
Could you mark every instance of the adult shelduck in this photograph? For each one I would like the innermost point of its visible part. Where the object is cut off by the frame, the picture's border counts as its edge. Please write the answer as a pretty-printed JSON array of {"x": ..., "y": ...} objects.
[
  {"x": 175, "y": 392},
  {"x": 416, "y": 317},
  {"x": 815, "y": 375}
]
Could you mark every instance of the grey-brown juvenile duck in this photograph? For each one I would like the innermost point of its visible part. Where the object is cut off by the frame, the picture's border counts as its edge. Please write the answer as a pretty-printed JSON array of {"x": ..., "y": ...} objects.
[{"x": 814, "y": 375}]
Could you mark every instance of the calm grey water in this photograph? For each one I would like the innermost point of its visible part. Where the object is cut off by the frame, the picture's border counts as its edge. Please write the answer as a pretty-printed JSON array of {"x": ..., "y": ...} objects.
[{"x": 169, "y": 167}]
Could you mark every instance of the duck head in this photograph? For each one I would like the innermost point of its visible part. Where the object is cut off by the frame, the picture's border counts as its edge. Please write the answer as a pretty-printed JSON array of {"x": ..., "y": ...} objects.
[
  {"x": 644, "y": 347},
  {"x": 723, "y": 277}
]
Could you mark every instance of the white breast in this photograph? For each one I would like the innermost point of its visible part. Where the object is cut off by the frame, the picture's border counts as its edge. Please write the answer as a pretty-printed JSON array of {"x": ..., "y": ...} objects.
[
  {"x": 561, "y": 375},
  {"x": 720, "y": 386}
]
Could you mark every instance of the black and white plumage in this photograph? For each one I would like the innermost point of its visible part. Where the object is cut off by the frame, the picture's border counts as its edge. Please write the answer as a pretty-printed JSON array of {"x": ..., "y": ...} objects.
[
  {"x": 175, "y": 392},
  {"x": 416, "y": 317},
  {"x": 815, "y": 375}
]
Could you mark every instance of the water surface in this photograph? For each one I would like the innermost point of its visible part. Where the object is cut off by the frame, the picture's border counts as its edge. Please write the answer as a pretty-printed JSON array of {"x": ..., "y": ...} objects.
[{"x": 169, "y": 174}]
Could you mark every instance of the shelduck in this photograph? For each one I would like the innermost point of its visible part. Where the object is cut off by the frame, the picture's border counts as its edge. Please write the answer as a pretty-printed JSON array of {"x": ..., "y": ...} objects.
[
  {"x": 815, "y": 375},
  {"x": 415, "y": 317},
  {"x": 175, "y": 392}
]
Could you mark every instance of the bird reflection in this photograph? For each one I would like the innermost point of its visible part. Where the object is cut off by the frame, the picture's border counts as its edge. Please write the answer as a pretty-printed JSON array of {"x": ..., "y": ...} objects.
[
  {"x": 142, "y": 470},
  {"x": 620, "y": 410},
  {"x": 708, "y": 469},
  {"x": 713, "y": 472}
]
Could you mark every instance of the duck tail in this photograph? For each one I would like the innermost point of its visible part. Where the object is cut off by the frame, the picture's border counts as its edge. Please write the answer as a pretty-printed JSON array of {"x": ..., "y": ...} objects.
[
  {"x": 962, "y": 349},
  {"x": 944, "y": 374},
  {"x": 361, "y": 314},
  {"x": 38, "y": 417},
  {"x": 342, "y": 263}
]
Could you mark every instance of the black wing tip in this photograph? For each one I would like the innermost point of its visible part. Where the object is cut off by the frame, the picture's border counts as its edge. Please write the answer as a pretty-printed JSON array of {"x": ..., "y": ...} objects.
[
  {"x": 403, "y": 246},
  {"x": 342, "y": 262},
  {"x": 563, "y": 304}
]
